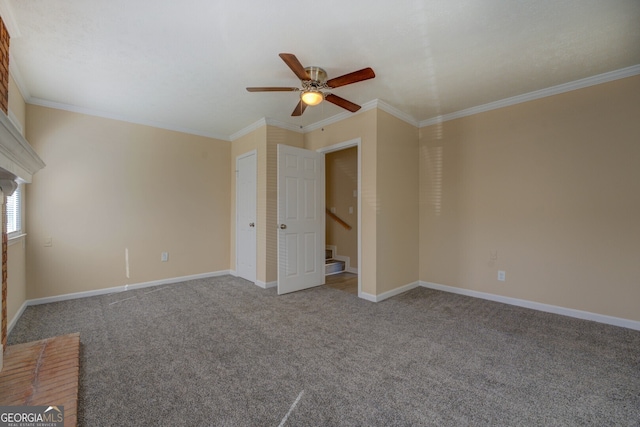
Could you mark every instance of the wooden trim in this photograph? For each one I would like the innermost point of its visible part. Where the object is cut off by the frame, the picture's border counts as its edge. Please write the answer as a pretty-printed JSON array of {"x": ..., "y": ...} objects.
[{"x": 337, "y": 219}]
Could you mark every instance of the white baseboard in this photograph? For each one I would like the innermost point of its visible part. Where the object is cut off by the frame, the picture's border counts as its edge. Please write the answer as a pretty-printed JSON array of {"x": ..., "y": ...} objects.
[
  {"x": 123, "y": 288},
  {"x": 13, "y": 321},
  {"x": 266, "y": 285},
  {"x": 368, "y": 297},
  {"x": 386, "y": 295},
  {"x": 579, "y": 314},
  {"x": 353, "y": 270}
]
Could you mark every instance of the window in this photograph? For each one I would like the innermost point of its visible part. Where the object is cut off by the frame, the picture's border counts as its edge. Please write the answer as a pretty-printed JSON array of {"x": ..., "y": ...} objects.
[{"x": 14, "y": 213}]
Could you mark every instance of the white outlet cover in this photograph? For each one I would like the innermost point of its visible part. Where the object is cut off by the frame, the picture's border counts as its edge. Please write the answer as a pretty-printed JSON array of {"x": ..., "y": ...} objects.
[{"x": 501, "y": 275}]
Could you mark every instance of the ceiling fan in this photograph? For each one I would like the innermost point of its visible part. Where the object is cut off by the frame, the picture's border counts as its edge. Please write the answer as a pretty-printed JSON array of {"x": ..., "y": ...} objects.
[{"x": 314, "y": 81}]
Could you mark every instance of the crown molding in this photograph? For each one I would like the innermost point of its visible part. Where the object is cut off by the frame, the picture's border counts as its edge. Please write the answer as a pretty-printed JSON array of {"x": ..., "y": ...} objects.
[
  {"x": 122, "y": 118},
  {"x": 376, "y": 103},
  {"x": 399, "y": 114},
  {"x": 247, "y": 130},
  {"x": 542, "y": 93},
  {"x": 340, "y": 116},
  {"x": 6, "y": 11},
  {"x": 265, "y": 122},
  {"x": 283, "y": 125},
  {"x": 333, "y": 119}
]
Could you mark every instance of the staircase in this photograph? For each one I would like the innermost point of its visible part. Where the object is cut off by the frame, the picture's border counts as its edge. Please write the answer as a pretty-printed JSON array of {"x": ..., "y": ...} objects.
[{"x": 332, "y": 266}]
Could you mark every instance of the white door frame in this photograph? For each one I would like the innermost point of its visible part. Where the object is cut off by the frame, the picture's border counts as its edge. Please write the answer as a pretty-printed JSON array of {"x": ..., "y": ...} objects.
[
  {"x": 356, "y": 142},
  {"x": 240, "y": 157}
]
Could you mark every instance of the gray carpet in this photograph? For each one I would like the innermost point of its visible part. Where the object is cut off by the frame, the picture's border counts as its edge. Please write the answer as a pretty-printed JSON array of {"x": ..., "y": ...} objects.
[{"x": 223, "y": 352}]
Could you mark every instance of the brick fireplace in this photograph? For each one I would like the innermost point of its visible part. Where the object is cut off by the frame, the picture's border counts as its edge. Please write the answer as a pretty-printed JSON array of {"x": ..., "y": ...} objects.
[
  {"x": 4, "y": 105},
  {"x": 18, "y": 163}
]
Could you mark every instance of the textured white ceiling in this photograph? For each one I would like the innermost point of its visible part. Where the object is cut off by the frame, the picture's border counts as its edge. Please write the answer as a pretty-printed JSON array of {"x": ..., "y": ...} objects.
[{"x": 185, "y": 65}]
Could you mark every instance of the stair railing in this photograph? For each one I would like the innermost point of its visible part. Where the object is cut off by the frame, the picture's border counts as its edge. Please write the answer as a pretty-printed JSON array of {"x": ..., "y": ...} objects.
[{"x": 337, "y": 219}]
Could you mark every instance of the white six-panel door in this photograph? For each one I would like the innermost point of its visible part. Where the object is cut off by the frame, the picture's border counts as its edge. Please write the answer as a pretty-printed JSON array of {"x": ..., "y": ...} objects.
[
  {"x": 246, "y": 172},
  {"x": 301, "y": 219}
]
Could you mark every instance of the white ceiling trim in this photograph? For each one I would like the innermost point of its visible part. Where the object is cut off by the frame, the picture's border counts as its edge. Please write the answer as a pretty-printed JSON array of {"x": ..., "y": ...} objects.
[
  {"x": 376, "y": 103},
  {"x": 340, "y": 116},
  {"x": 333, "y": 119},
  {"x": 397, "y": 113},
  {"x": 264, "y": 122},
  {"x": 283, "y": 125},
  {"x": 91, "y": 112},
  {"x": 542, "y": 93},
  {"x": 247, "y": 130}
]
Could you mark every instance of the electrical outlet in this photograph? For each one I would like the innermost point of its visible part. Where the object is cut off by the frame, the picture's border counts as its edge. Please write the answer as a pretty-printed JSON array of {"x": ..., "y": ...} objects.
[
  {"x": 501, "y": 275},
  {"x": 164, "y": 257}
]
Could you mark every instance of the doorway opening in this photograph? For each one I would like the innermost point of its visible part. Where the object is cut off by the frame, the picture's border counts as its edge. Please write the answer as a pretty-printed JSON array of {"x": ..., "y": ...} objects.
[{"x": 342, "y": 225}]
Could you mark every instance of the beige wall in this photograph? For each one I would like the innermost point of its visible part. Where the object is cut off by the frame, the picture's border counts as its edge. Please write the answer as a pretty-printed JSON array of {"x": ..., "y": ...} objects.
[
  {"x": 550, "y": 186},
  {"x": 17, "y": 106},
  {"x": 553, "y": 186},
  {"x": 397, "y": 184},
  {"x": 363, "y": 126},
  {"x": 390, "y": 181},
  {"x": 16, "y": 254},
  {"x": 110, "y": 186},
  {"x": 265, "y": 141},
  {"x": 341, "y": 181},
  {"x": 16, "y": 278}
]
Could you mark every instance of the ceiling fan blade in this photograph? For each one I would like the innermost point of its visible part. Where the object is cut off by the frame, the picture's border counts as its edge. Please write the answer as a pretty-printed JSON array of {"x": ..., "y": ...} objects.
[
  {"x": 341, "y": 102},
  {"x": 295, "y": 65},
  {"x": 272, "y": 89},
  {"x": 299, "y": 109},
  {"x": 356, "y": 76}
]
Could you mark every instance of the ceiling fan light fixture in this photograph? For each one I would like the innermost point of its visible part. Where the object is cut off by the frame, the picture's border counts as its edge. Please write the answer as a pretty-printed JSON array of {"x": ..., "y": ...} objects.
[{"x": 312, "y": 97}]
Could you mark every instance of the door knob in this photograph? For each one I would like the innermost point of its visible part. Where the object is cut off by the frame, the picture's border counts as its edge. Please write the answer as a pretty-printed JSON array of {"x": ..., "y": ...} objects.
[
  {"x": 251, "y": 224},
  {"x": 283, "y": 226}
]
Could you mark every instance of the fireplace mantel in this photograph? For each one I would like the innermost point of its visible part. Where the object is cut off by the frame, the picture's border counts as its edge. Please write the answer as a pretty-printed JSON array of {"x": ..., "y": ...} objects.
[{"x": 16, "y": 155}]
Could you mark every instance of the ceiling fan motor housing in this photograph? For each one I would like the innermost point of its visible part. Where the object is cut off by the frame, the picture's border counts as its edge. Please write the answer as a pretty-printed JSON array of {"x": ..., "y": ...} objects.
[{"x": 316, "y": 74}]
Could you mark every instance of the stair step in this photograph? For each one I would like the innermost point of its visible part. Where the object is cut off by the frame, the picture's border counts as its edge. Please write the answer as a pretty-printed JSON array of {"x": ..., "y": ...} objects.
[
  {"x": 333, "y": 266},
  {"x": 328, "y": 253}
]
